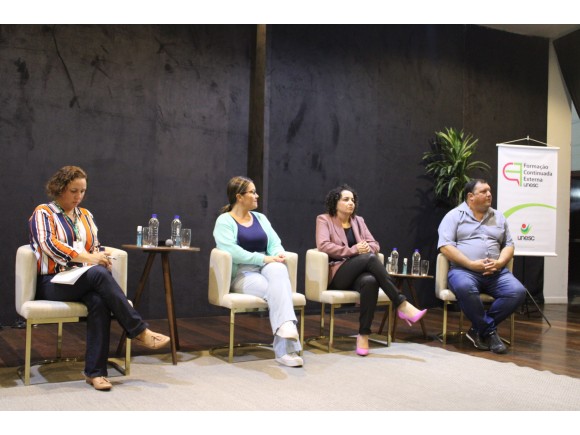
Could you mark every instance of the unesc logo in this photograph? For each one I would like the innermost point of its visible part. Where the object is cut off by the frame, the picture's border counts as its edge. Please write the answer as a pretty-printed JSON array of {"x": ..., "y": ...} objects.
[
  {"x": 525, "y": 230},
  {"x": 512, "y": 169}
]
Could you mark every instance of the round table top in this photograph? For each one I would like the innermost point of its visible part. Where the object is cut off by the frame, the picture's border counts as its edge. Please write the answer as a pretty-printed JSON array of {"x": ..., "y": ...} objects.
[{"x": 162, "y": 248}]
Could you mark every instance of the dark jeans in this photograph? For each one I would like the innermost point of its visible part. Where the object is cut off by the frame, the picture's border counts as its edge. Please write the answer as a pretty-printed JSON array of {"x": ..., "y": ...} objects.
[
  {"x": 505, "y": 288},
  {"x": 98, "y": 290},
  {"x": 366, "y": 274}
]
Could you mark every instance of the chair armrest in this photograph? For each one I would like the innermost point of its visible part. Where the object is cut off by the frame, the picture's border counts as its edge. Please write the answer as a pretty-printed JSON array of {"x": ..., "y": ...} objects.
[
  {"x": 25, "y": 276},
  {"x": 220, "y": 276},
  {"x": 292, "y": 264},
  {"x": 119, "y": 266},
  {"x": 441, "y": 272},
  {"x": 510, "y": 264},
  {"x": 316, "y": 274}
]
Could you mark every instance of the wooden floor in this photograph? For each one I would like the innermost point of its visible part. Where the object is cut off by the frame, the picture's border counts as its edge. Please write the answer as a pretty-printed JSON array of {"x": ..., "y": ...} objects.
[{"x": 555, "y": 348}]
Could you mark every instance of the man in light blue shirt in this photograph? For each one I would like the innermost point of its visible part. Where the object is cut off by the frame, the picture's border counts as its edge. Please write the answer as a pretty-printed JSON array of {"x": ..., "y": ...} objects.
[{"x": 476, "y": 240}]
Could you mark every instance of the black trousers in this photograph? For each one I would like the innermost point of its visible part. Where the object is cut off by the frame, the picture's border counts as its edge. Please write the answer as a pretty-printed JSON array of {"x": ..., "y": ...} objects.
[
  {"x": 366, "y": 274},
  {"x": 99, "y": 291}
]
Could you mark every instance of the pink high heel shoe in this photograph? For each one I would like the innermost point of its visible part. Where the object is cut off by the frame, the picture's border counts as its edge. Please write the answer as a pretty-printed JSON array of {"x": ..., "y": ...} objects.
[
  {"x": 411, "y": 320},
  {"x": 362, "y": 351}
]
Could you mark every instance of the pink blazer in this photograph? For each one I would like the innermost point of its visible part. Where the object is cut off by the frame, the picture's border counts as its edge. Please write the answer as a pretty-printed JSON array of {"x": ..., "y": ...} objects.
[{"x": 331, "y": 239}]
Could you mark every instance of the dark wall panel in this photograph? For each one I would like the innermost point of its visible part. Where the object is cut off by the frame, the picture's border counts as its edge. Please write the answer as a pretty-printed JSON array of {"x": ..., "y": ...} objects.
[
  {"x": 359, "y": 104},
  {"x": 157, "y": 115},
  {"x": 506, "y": 99}
]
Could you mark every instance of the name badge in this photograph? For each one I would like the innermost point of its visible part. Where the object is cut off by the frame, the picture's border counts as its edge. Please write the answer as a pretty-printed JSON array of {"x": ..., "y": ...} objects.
[{"x": 79, "y": 246}]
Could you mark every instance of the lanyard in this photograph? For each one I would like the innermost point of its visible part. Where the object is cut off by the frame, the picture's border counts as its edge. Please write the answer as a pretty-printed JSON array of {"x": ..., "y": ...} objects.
[{"x": 69, "y": 220}]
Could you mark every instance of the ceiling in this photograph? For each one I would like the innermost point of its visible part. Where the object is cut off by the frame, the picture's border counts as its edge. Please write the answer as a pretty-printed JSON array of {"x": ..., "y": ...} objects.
[{"x": 551, "y": 31}]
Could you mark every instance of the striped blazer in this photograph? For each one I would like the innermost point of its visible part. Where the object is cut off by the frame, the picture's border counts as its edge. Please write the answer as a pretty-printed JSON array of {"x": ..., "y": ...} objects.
[{"x": 52, "y": 237}]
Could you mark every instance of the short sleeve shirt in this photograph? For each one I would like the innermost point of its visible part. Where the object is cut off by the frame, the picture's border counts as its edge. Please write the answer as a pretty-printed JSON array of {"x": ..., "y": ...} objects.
[{"x": 475, "y": 239}]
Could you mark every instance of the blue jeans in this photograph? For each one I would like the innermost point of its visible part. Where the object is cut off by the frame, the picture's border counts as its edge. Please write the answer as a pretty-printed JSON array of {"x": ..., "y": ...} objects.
[
  {"x": 99, "y": 291},
  {"x": 508, "y": 292}
]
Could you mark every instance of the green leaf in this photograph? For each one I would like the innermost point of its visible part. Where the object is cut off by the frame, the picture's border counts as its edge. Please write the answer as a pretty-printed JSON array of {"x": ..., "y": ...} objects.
[{"x": 450, "y": 163}]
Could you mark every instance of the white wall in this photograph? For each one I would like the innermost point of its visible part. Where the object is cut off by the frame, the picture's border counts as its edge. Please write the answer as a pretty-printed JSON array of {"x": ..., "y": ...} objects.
[{"x": 559, "y": 135}]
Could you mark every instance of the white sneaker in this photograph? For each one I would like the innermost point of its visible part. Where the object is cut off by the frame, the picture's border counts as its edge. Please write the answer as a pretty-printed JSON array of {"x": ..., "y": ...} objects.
[
  {"x": 290, "y": 360},
  {"x": 288, "y": 330}
]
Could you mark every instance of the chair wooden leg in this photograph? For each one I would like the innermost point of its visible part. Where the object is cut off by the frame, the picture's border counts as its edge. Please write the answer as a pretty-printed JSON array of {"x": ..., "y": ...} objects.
[
  {"x": 231, "y": 347},
  {"x": 390, "y": 324},
  {"x": 302, "y": 331},
  {"x": 444, "y": 332},
  {"x": 322, "y": 319},
  {"x": 59, "y": 342},
  {"x": 512, "y": 329},
  {"x": 27, "y": 353},
  {"x": 127, "y": 357},
  {"x": 331, "y": 331}
]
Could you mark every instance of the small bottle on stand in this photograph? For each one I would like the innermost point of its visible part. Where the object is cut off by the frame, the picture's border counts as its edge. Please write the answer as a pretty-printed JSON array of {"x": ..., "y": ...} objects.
[
  {"x": 404, "y": 266},
  {"x": 139, "y": 236}
]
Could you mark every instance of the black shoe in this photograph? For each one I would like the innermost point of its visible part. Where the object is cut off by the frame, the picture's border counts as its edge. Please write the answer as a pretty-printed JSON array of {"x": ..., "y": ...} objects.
[
  {"x": 495, "y": 343},
  {"x": 476, "y": 339}
]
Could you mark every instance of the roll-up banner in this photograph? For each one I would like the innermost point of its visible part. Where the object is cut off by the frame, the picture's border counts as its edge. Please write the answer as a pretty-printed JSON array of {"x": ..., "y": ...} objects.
[{"x": 526, "y": 195}]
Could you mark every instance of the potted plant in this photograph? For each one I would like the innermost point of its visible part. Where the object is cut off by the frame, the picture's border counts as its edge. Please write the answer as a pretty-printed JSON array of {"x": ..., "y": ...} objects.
[{"x": 450, "y": 164}]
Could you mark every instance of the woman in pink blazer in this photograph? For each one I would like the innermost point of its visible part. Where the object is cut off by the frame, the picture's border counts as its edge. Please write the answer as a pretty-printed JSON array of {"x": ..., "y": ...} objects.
[{"x": 353, "y": 263}]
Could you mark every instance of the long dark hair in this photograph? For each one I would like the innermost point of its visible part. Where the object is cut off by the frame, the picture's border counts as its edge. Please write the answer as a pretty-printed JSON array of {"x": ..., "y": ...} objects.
[
  {"x": 333, "y": 197},
  {"x": 236, "y": 185}
]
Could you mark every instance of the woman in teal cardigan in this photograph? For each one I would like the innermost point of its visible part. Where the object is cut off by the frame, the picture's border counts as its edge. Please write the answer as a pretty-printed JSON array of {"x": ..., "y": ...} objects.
[{"x": 258, "y": 264}]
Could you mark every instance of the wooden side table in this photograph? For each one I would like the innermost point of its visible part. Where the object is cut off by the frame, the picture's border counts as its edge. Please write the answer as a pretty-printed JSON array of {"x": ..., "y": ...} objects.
[
  {"x": 164, "y": 251},
  {"x": 400, "y": 279}
]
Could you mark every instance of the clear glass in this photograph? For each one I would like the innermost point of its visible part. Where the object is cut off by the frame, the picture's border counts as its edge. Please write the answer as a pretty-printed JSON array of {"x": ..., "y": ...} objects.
[
  {"x": 424, "y": 267},
  {"x": 185, "y": 237},
  {"x": 146, "y": 237}
]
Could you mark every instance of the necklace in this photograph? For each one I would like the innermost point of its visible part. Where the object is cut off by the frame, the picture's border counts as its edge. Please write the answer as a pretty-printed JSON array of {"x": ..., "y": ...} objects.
[{"x": 70, "y": 221}]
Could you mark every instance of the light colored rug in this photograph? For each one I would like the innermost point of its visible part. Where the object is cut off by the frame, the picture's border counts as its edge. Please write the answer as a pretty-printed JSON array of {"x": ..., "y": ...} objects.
[{"x": 405, "y": 376}]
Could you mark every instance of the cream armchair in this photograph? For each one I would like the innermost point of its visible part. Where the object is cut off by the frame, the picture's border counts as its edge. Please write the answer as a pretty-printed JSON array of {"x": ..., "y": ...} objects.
[
  {"x": 220, "y": 272},
  {"x": 443, "y": 293},
  {"x": 317, "y": 291},
  {"x": 38, "y": 312}
]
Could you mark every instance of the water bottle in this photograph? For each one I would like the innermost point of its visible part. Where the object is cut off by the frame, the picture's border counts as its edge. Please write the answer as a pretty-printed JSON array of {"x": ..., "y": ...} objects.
[
  {"x": 154, "y": 230},
  {"x": 139, "y": 235},
  {"x": 395, "y": 261},
  {"x": 176, "y": 231},
  {"x": 404, "y": 266},
  {"x": 416, "y": 263}
]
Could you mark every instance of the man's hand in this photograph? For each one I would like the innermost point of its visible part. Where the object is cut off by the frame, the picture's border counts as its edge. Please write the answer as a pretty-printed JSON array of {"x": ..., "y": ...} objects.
[{"x": 491, "y": 266}]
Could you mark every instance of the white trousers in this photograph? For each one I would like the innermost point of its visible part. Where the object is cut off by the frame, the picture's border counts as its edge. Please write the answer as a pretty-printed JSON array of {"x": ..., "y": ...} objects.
[{"x": 272, "y": 283}]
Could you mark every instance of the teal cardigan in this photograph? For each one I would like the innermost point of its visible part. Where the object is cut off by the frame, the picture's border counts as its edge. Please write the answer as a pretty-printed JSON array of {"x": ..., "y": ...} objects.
[{"x": 225, "y": 234}]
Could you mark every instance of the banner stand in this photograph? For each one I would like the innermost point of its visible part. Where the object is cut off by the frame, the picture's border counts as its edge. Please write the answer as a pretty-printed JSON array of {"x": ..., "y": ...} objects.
[
  {"x": 529, "y": 296},
  {"x": 500, "y": 165}
]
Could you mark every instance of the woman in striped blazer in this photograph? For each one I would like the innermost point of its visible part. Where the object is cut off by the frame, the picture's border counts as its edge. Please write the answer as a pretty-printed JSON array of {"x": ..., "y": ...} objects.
[{"x": 63, "y": 236}]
